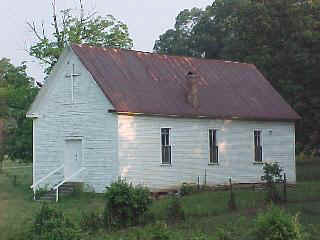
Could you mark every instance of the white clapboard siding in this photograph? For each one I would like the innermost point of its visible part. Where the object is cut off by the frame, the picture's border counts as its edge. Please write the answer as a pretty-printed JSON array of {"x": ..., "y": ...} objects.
[
  {"x": 140, "y": 152},
  {"x": 87, "y": 119},
  {"x": 130, "y": 146}
]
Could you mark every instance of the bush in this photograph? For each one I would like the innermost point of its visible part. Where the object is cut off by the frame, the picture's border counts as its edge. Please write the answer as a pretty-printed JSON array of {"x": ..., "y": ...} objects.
[
  {"x": 275, "y": 224},
  {"x": 160, "y": 232},
  {"x": 51, "y": 224},
  {"x": 272, "y": 175},
  {"x": 187, "y": 189},
  {"x": 175, "y": 211},
  {"x": 91, "y": 221},
  {"x": 125, "y": 204},
  {"x": 223, "y": 234}
]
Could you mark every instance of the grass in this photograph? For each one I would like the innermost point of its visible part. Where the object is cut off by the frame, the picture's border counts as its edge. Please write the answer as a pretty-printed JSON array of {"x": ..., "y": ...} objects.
[{"x": 205, "y": 211}]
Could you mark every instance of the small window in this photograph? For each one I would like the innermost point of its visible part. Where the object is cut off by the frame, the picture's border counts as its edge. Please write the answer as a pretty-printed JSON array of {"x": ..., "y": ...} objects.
[
  {"x": 257, "y": 146},
  {"x": 214, "y": 150},
  {"x": 165, "y": 146}
]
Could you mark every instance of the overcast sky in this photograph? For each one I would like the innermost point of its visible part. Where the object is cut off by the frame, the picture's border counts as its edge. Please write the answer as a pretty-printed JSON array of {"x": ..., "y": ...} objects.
[{"x": 146, "y": 20}]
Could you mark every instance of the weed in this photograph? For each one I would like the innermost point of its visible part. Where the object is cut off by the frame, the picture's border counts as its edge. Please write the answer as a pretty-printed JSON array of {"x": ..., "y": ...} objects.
[
  {"x": 175, "y": 212},
  {"x": 275, "y": 224},
  {"x": 91, "y": 221}
]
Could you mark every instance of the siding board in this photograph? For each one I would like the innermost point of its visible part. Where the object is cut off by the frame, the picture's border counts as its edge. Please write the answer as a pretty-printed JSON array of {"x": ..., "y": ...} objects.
[{"x": 140, "y": 155}]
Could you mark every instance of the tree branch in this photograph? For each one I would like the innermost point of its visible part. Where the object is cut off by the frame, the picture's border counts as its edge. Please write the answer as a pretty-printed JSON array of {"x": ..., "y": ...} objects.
[
  {"x": 34, "y": 30},
  {"x": 55, "y": 23}
]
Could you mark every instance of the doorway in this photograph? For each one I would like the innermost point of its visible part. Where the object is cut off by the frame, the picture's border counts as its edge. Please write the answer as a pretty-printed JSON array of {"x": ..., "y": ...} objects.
[{"x": 72, "y": 157}]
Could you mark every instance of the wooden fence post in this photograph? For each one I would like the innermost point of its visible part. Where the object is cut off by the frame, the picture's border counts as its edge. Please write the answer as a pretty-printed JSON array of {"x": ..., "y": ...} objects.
[
  {"x": 198, "y": 185},
  {"x": 285, "y": 187},
  {"x": 205, "y": 176}
]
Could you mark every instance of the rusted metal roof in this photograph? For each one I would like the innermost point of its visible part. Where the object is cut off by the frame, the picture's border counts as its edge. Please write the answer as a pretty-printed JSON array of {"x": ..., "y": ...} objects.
[{"x": 154, "y": 84}]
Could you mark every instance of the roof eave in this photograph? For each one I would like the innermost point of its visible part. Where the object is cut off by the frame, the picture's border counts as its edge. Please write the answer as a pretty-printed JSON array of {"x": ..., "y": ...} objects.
[{"x": 203, "y": 116}]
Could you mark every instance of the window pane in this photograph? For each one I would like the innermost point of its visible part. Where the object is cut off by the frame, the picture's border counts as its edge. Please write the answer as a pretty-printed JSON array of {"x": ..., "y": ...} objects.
[
  {"x": 166, "y": 148},
  {"x": 163, "y": 140},
  {"x": 257, "y": 146},
  {"x": 213, "y": 146}
]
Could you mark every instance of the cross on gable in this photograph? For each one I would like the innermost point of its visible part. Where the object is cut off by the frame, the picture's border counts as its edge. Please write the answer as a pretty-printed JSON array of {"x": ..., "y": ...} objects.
[{"x": 72, "y": 76}]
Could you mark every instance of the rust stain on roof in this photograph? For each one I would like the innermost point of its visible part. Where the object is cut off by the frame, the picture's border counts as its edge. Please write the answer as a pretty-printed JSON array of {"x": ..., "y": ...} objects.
[{"x": 150, "y": 83}]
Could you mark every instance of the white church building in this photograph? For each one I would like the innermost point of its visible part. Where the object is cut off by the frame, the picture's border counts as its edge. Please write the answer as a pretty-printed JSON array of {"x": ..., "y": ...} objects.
[{"x": 157, "y": 120}]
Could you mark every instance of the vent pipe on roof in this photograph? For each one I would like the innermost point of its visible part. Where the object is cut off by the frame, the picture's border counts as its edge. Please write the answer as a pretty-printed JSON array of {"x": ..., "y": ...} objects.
[{"x": 192, "y": 89}]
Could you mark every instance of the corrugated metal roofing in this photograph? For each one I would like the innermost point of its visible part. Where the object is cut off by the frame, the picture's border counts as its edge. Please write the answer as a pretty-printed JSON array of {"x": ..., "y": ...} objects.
[{"x": 148, "y": 83}]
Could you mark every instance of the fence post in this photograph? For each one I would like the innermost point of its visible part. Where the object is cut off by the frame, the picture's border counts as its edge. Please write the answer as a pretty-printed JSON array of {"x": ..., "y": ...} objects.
[
  {"x": 198, "y": 185},
  {"x": 284, "y": 187},
  {"x": 205, "y": 176}
]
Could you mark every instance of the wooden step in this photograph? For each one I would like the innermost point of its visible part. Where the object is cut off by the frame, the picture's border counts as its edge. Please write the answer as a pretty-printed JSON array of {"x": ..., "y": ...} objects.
[{"x": 65, "y": 189}]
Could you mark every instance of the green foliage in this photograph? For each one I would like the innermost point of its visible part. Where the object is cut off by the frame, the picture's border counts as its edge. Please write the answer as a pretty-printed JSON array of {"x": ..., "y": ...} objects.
[
  {"x": 187, "y": 189},
  {"x": 91, "y": 221},
  {"x": 223, "y": 234},
  {"x": 280, "y": 37},
  {"x": 19, "y": 94},
  {"x": 51, "y": 224},
  {"x": 88, "y": 29},
  {"x": 275, "y": 224},
  {"x": 125, "y": 204},
  {"x": 160, "y": 231},
  {"x": 272, "y": 176},
  {"x": 175, "y": 212}
]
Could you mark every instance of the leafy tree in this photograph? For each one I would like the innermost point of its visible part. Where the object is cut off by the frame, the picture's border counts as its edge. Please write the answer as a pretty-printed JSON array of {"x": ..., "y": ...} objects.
[
  {"x": 281, "y": 37},
  {"x": 17, "y": 92},
  {"x": 84, "y": 29},
  {"x": 179, "y": 40}
]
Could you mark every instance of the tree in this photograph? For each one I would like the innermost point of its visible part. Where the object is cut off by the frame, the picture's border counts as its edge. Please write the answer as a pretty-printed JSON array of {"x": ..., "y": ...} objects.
[
  {"x": 179, "y": 41},
  {"x": 84, "y": 29},
  {"x": 17, "y": 92},
  {"x": 281, "y": 37}
]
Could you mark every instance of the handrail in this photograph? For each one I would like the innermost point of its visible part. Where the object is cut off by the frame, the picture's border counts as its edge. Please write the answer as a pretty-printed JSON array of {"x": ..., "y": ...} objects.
[
  {"x": 65, "y": 180},
  {"x": 48, "y": 175}
]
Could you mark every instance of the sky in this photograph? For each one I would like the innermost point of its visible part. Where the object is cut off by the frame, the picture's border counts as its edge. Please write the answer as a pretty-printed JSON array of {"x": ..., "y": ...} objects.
[{"x": 146, "y": 20}]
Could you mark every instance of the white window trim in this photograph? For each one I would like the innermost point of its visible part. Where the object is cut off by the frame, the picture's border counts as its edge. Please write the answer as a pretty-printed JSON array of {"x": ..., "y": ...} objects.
[
  {"x": 208, "y": 146},
  {"x": 262, "y": 145},
  {"x": 170, "y": 144}
]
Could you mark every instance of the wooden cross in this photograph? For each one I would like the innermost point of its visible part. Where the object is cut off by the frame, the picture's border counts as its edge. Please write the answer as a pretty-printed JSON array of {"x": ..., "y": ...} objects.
[{"x": 72, "y": 75}]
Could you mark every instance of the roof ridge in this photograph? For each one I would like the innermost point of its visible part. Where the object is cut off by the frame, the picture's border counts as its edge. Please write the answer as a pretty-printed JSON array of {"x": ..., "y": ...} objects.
[{"x": 162, "y": 54}]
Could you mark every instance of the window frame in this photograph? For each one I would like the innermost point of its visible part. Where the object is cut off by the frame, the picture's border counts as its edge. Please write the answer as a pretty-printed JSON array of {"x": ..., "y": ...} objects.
[
  {"x": 216, "y": 145},
  {"x": 261, "y": 145},
  {"x": 162, "y": 163}
]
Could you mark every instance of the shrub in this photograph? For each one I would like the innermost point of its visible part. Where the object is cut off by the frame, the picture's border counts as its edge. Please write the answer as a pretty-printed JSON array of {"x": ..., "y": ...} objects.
[
  {"x": 275, "y": 224},
  {"x": 199, "y": 236},
  {"x": 187, "y": 189},
  {"x": 125, "y": 204},
  {"x": 175, "y": 211},
  {"x": 91, "y": 221},
  {"x": 160, "y": 231},
  {"x": 223, "y": 234},
  {"x": 272, "y": 176},
  {"x": 51, "y": 224}
]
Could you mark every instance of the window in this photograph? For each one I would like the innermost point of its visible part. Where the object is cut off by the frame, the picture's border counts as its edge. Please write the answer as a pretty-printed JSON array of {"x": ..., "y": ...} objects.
[
  {"x": 214, "y": 158},
  {"x": 165, "y": 146},
  {"x": 257, "y": 146}
]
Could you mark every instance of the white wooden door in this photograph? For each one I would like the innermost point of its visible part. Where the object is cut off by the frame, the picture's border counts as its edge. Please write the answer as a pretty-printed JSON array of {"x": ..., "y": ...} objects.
[{"x": 73, "y": 157}]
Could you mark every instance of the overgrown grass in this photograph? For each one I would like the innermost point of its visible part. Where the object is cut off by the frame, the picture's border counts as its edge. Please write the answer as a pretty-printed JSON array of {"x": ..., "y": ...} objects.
[{"x": 205, "y": 212}]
